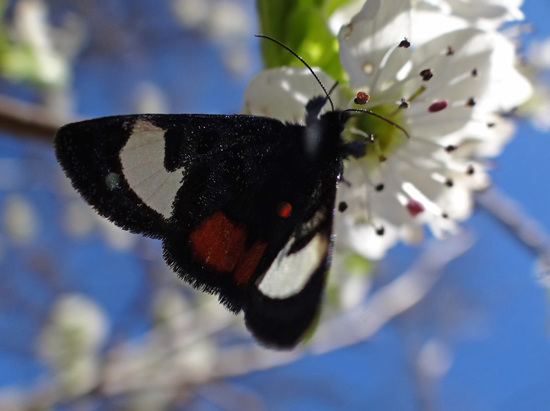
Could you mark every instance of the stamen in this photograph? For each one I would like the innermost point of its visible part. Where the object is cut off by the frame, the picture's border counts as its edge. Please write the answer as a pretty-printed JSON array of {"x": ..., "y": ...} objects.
[
  {"x": 440, "y": 178},
  {"x": 448, "y": 148},
  {"x": 426, "y": 74},
  {"x": 342, "y": 206},
  {"x": 361, "y": 98},
  {"x": 450, "y": 51},
  {"x": 404, "y": 104},
  {"x": 470, "y": 170},
  {"x": 417, "y": 93},
  {"x": 413, "y": 193},
  {"x": 379, "y": 187},
  {"x": 405, "y": 43},
  {"x": 414, "y": 207},
  {"x": 471, "y": 102},
  {"x": 438, "y": 106},
  {"x": 474, "y": 72}
]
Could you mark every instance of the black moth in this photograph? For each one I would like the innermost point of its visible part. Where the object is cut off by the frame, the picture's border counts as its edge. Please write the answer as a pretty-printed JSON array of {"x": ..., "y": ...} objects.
[{"x": 243, "y": 204}]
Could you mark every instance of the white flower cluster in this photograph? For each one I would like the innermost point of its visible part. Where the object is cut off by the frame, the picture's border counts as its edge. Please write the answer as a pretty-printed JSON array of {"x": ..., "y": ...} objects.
[{"x": 442, "y": 71}]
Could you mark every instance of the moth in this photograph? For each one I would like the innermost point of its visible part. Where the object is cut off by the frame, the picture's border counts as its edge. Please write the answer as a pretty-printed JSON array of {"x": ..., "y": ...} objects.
[{"x": 243, "y": 204}]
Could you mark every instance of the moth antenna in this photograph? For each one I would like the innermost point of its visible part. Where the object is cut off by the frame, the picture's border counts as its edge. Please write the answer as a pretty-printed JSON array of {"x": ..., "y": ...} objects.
[
  {"x": 372, "y": 113},
  {"x": 304, "y": 63}
]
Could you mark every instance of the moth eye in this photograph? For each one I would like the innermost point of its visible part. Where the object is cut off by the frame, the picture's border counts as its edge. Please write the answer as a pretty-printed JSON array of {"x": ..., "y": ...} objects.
[{"x": 284, "y": 209}]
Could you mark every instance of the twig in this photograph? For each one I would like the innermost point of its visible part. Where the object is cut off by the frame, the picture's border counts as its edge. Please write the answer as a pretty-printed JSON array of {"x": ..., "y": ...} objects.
[
  {"x": 30, "y": 120},
  {"x": 529, "y": 232},
  {"x": 363, "y": 322}
]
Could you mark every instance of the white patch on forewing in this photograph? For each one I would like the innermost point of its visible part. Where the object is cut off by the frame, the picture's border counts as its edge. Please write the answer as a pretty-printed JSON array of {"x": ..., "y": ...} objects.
[
  {"x": 289, "y": 273},
  {"x": 142, "y": 161}
]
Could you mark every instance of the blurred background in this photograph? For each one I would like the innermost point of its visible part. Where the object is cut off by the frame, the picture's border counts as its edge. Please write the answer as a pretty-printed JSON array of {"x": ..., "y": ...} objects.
[{"x": 90, "y": 317}]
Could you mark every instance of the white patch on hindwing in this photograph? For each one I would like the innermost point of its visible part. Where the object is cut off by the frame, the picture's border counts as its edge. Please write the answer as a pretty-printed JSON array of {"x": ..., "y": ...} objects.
[
  {"x": 289, "y": 273},
  {"x": 142, "y": 161}
]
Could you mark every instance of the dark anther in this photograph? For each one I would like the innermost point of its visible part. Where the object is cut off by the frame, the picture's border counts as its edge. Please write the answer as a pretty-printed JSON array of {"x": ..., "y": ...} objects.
[
  {"x": 342, "y": 206},
  {"x": 361, "y": 98},
  {"x": 405, "y": 43},
  {"x": 471, "y": 102},
  {"x": 379, "y": 187},
  {"x": 426, "y": 74}
]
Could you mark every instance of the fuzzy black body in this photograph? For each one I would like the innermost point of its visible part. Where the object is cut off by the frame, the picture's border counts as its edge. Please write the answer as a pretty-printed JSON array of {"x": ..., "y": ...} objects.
[{"x": 211, "y": 187}]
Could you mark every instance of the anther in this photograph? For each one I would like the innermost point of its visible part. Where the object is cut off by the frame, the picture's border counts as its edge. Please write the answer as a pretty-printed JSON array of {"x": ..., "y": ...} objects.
[
  {"x": 438, "y": 106},
  {"x": 342, "y": 206},
  {"x": 471, "y": 102},
  {"x": 426, "y": 74},
  {"x": 361, "y": 98},
  {"x": 379, "y": 187},
  {"x": 450, "y": 51},
  {"x": 450, "y": 148},
  {"x": 414, "y": 207},
  {"x": 404, "y": 103},
  {"x": 405, "y": 43},
  {"x": 474, "y": 72}
]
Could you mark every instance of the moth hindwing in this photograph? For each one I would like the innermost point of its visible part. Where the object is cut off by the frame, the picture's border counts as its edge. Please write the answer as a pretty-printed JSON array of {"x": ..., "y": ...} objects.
[{"x": 243, "y": 204}]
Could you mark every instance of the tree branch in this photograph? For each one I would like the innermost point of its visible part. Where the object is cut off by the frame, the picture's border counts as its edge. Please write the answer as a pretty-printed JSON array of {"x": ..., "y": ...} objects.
[{"x": 28, "y": 120}]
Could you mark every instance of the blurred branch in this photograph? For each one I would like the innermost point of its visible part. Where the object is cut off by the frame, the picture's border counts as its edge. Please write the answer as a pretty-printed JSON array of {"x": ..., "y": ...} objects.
[
  {"x": 156, "y": 365},
  {"x": 29, "y": 120},
  {"x": 356, "y": 325},
  {"x": 529, "y": 232}
]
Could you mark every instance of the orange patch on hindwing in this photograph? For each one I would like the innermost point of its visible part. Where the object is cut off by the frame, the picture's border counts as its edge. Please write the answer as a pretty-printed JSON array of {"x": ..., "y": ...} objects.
[
  {"x": 248, "y": 263},
  {"x": 220, "y": 244}
]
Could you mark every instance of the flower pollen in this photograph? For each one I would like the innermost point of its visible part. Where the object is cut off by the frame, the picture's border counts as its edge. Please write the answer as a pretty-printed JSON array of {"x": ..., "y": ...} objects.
[
  {"x": 438, "y": 106},
  {"x": 414, "y": 207},
  {"x": 405, "y": 43},
  {"x": 362, "y": 98},
  {"x": 426, "y": 74},
  {"x": 342, "y": 206}
]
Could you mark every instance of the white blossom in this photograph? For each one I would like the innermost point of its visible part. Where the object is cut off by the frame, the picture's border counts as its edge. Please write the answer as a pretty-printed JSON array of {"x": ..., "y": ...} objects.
[{"x": 444, "y": 80}]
